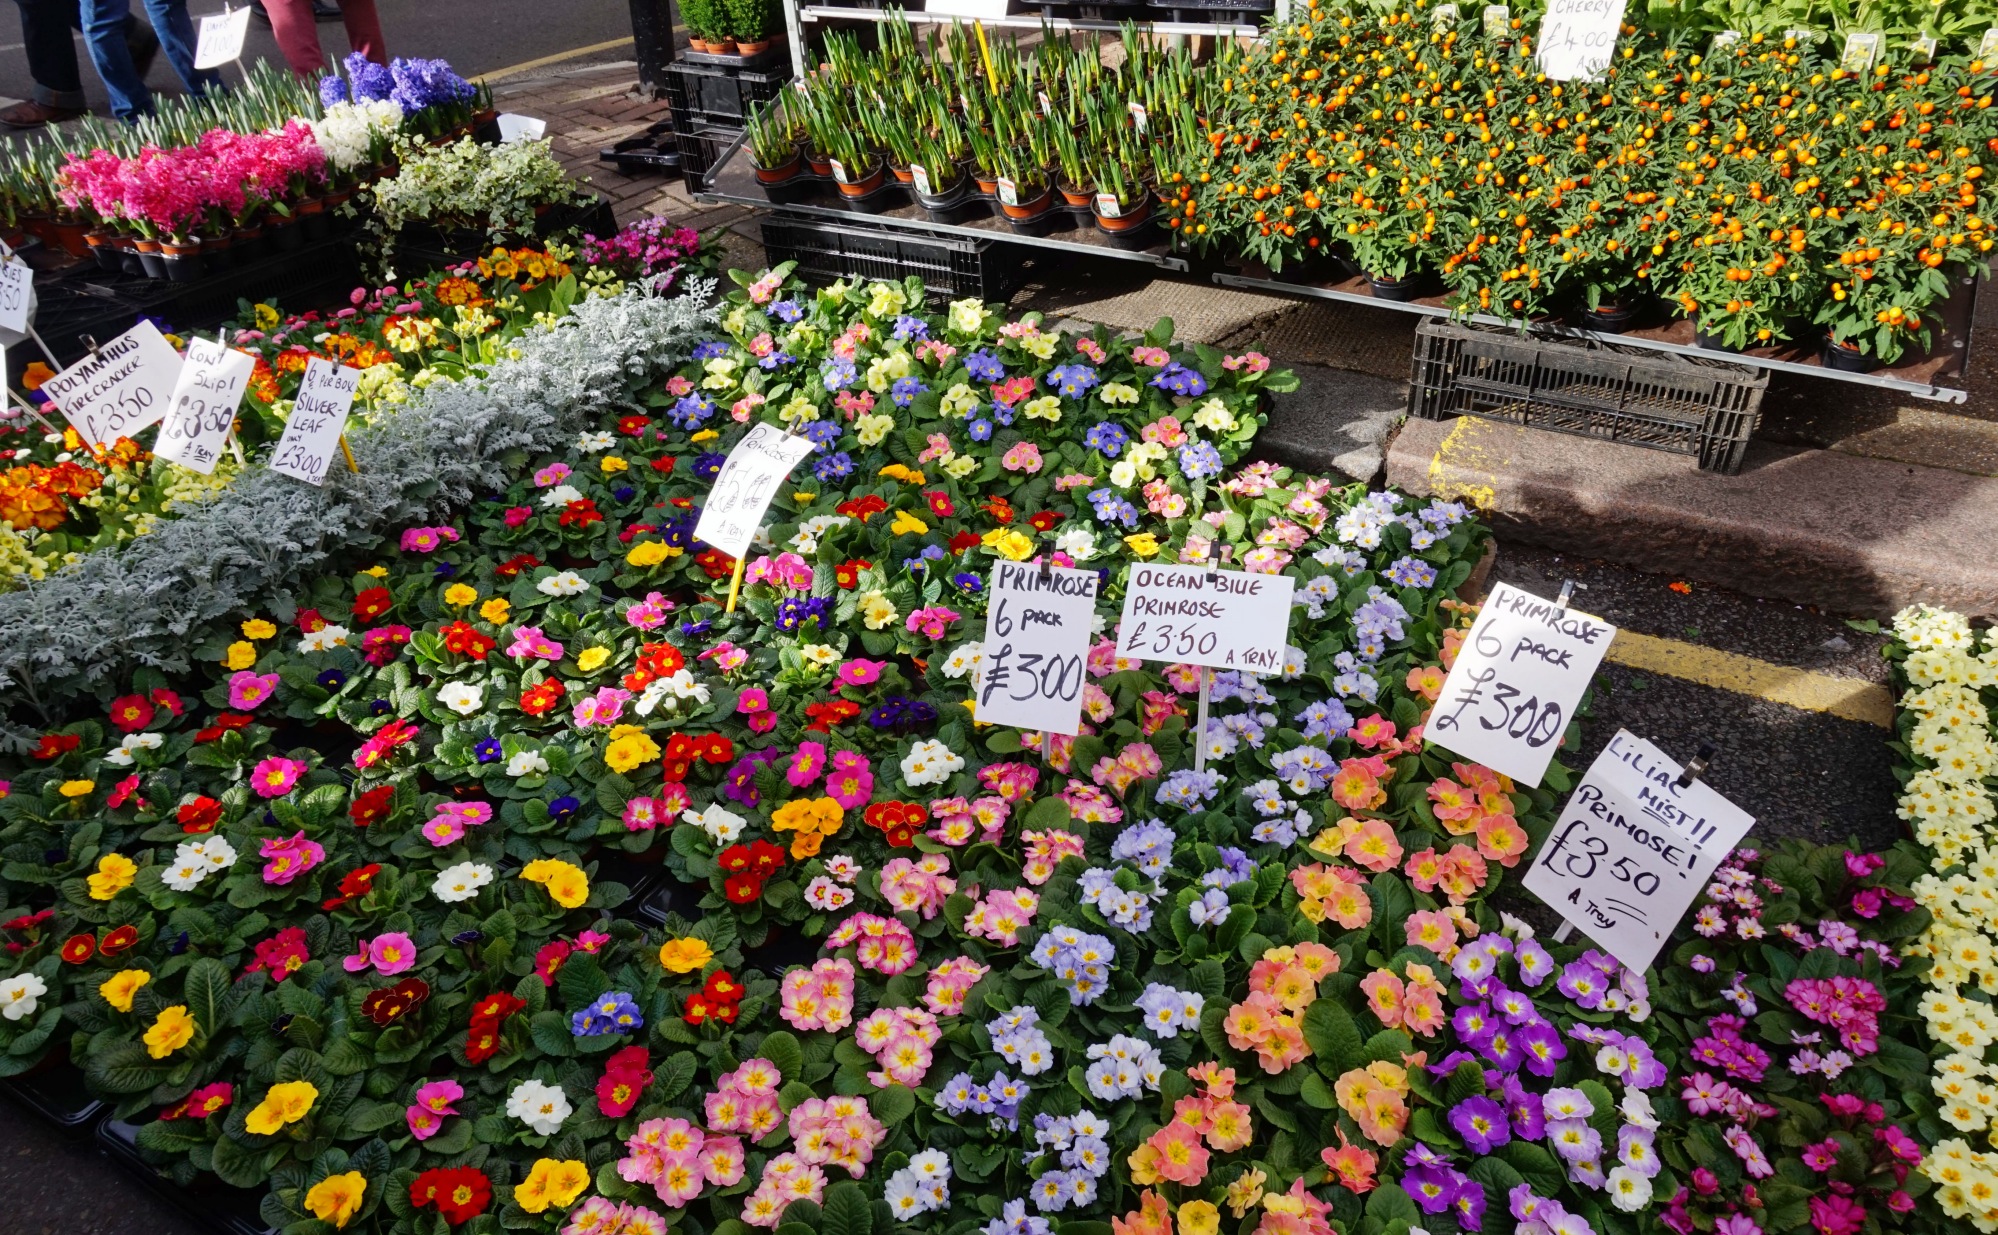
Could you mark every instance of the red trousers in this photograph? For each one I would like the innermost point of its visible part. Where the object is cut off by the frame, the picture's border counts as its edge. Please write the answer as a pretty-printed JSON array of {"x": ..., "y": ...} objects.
[{"x": 298, "y": 34}]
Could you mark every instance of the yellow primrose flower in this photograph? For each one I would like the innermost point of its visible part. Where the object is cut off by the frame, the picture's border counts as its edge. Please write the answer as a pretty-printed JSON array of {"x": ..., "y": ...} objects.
[
  {"x": 458, "y": 595},
  {"x": 813, "y": 819},
  {"x": 803, "y": 498},
  {"x": 625, "y": 753},
  {"x": 1040, "y": 346},
  {"x": 906, "y": 523},
  {"x": 896, "y": 471},
  {"x": 872, "y": 428},
  {"x": 960, "y": 466},
  {"x": 649, "y": 553},
  {"x": 1009, "y": 543},
  {"x": 173, "y": 1029},
  {"x": 120, "y": 987},
  {"x": 1144, "y": 544},
  {"x": 819, "y": 654},
  {"x": 885, "y": 300},
  {"x": 611, "y": 464},
  {"x": 1117, "y": 392},
  {"x": 589, "y": 660},
  {"x": 337, "y": 1198},
  {"x": 1199, "y": 1218},
  {"x": 565, "y": 882},
  {"x": 285, "y": 1103},
  {"x": 379, "y": 572},
  {"x": 115, "y": 873},
  {"x": 496, "y": 610},
  {"x": 705, "y": 435},
  {"x": 1047, "y": 407},
  {"x": 257, "y": 628},
  {"x": 685, "y": 955},
  {"x": 76, "y": 788},
  {"x": 551, "y": 1184},
  {"x": 967, "y": 316},
  {"x": 877, "y": 610},
  {"x": 960, "y": 400},
  {"x": 267, "y": 316},
  {"x": 239, "y": 656},
  {"x": 799, "y": 408}
]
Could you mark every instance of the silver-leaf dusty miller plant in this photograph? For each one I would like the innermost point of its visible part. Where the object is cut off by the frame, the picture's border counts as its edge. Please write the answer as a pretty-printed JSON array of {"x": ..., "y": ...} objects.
[{"x": 86, "y": 628}]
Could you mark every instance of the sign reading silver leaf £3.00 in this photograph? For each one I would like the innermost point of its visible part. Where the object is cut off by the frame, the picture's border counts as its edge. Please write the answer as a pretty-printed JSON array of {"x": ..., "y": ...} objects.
[
  {"x": 1516, "y": 682},
  {"x": 750, "y": 477}
]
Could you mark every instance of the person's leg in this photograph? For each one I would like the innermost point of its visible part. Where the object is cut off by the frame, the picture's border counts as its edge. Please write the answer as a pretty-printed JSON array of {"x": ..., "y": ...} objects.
[
  {"x": 50, "y": 53},
  {"x": 176, "y": 34},
  {"x": 297, "y": 35},
  {"x": 364, "y": 29},
  {"x": 104, "y": 35}
]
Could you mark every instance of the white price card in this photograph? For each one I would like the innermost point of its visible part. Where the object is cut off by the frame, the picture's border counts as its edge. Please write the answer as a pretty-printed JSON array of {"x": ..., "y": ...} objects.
[
  {"x": 1633, "y": 848},
  {"x": 1196, "y": 615},
  {"x": 515, "y": 128},
  {"x": 1516, "y": 682},
  {"x": 1037, "y": 634},
  {"x": 318, "y": 418},
  {"x": 120, "y": 388},
  {"x": 1578, "y": 38},
  {"x": 753, "y": 473},
  {"x": 221, "y": 38},
  {"x": 204, "y": 403},
  {"x": 17, "y": 288}
]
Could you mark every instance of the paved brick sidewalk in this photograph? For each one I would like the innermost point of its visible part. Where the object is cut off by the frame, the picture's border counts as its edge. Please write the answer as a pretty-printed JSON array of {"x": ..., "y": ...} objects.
[{"x": 592, "y": 106}]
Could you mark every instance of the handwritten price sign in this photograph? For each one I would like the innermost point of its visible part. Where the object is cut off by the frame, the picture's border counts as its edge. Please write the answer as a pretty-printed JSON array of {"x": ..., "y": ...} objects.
[
  {"x": 1633, "y": 848},
  {"x": 1516, "y": 682},
  {"x": 17, "y": 286},
  {"x": 221, "y": 38},
  {"x": 755, "y": 470},
  {"x": 318, "y": 418},
  {"x": 1194, "y": 615},
  {"x": 204, "y": 404},
  {"x": 1037, "y": 633},
  {"x": 1578, "y": 38},
  {"x": 120, "y": 388}
]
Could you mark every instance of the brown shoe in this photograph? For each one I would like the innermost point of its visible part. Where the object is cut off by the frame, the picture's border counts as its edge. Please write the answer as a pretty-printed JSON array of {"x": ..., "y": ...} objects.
[{"x": 32, "y": 115}]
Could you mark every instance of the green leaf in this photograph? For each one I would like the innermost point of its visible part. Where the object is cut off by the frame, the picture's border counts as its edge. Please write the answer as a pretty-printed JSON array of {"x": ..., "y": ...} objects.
[
  {"x": 1317, "y": 1093},
  {"x": 847, "y": 1210},
  {"x": 551, "y": 1034},
  {"x": 781, "y": 1049},
  {"x": 239, "y": 1165},
  {"x": 206, "y": 990},
  {"x": 674, "y": 1074},
  {"x": 893, "y": 1105},
  {"x": 1332, "y": 1035}
]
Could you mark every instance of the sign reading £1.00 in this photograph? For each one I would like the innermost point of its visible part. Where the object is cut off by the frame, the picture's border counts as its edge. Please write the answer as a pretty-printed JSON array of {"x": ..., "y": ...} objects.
[
  {"x": 748, "y": 480},
  {"x": 1037, "y": 632},
  {"x": 1196, "y": 615},
  {"x": 1516, "y": 681},
  {"x": 1633, "y": 848}
]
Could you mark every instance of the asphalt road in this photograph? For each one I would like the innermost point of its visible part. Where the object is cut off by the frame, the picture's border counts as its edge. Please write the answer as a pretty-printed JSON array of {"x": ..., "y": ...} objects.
[{"x": 476, "y": 36}]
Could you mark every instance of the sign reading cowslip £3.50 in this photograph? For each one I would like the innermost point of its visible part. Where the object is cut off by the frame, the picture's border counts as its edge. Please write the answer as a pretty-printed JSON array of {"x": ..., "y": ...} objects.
[
  {"x": 1196, "y": 615},
  {"x": 1516, "y": 681}
]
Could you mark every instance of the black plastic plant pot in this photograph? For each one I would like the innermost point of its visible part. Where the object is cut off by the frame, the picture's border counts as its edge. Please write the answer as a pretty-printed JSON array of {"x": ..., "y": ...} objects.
[
  {"x": 211, "y": 1203},
  {"x": 1400, "y": 291},
  {"x": 55, "y": 1090},
  {"x": 782, "y": 949},
  {"x": 1610, "y": 318},
  {"x": 960, "y": 204},
  {"x": 1845, "y": 358},
  {"x": 882, "y": 199},
  {"x": 667, "y": 895},
  {"x": 1711, "y": 342}
]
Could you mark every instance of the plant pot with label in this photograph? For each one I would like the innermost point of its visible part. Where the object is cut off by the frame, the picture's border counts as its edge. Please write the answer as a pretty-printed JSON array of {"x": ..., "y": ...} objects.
[
  {"x": 1847, "y": 357},
  {"x": 1126, "y": 224},
  {"x": 952, "y": 202},
  {"x": 183, "y": 260},
  {"x": 858, "y": 182},
  {"x": 1028, "y": 206},
  {"x": 151, "y": 264}
]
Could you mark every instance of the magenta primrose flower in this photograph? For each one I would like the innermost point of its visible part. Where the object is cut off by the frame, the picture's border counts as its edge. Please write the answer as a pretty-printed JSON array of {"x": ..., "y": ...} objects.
[
  {"x": 933, "y": 620},
  {"x": 851, "y": 781},
  {"x": 248, "y": 690},
  {"x": 649, "y": 613},
  {"x": 274, "y": 777},
  {"x": 427, "y": 539},
  {"x": 290, "y": 857},
  {"x": 807, "y": 765},
  {"x": 529, "y": 641},
  {"x": 859, "y": 672},
  {"x": 388, "y": 954}
]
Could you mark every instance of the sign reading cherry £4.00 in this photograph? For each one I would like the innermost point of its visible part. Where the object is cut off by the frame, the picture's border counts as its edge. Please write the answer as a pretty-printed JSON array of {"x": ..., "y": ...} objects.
[
  {"x": 1633, "y": 848},
  {"x": 120, "y": 388},
  {"x": 1037, "y": 632},
  {"x": 751, "y": 476},
  {"x": 318, "y": 418},
  {"x": 204, "y": 403},
  {"x": 1578, "y": 38},
  {"x": 1196, "y": 615},
  {"x": 1516, "y": 681}
]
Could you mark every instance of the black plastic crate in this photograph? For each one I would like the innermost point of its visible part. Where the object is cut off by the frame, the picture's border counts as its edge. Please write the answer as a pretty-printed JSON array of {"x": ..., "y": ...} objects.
[
  {"x": 58, "y": 1093},
  {"x": 703, "y": 96},
  {"x": 949, "y": 267},
  {"x": 1683, "y": 405},
  {"x": 703, "y": 150}
]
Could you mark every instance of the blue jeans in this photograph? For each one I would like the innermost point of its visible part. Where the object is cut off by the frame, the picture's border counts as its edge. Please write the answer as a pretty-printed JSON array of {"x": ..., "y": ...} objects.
[{"x": 104, "y": 34}]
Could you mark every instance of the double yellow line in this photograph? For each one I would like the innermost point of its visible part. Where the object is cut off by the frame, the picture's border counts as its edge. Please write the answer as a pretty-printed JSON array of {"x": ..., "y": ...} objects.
[{"x": 1805, "y": 689}]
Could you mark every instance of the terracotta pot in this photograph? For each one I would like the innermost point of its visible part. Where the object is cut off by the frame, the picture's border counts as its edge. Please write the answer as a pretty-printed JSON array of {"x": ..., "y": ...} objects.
[
  {"x": 696, "y": 43},
  {"x": 780, "y": 174},
  {"x": 70, "y": 237},
  {"x": 1074, "y": 199},
  {"x": 754, "y": 47},
  {"x": 724, "y": 48},
  {"x": 1028, "y": 208},
  {"x": 1127, "y": 219},
  {"x": 989, "y": 188},
  {"x": 821, "y": 166},
  {"x": 903, "y": 175},
  {"x": 861, "y": 184}
]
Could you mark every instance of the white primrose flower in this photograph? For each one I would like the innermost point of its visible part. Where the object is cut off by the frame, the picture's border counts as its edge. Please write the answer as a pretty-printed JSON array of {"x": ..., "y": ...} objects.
[
  {"x": 527, "y": 763},
  {"x": 930, "y": 762},
  {"x": 564, "y": 583},
  {"x": 561, "y": 495},
  {"x": 721, "y": 825},
  {"x": 195, "y": 861},
  {"x": 461, "y": 697},
  {"x": 20, "y": 995},
  {"x": 594, "y": 443},
  {"x": 539, "y": 1105},
  {"x": 325, "y": 639},
  {"x": 461, "y": 882}
]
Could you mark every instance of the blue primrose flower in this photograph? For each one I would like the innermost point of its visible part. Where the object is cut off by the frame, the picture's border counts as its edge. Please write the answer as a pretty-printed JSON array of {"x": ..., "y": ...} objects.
[
  {"x": 1199, "y": 460},
  {"x": 907, "y": 327},
  {"x": 711, "y": 350},
  {"x": 563, "y": 807},
  {"x": 968, "y": 583},
  {"x": 486, "y": 750},
  {"x": 623, "y": 493},
  {"x": 787, "y": 311},
  {"x": 708, "y": 464},
  {"x": 610, "y": 1012},
  {"x": 1073, "y": 380},
  {"x": 984, "y": 366},
  {"x": 835, "y": 466},
  {"x": 1106, "y": 439},
  {"x": 980, "y": 430},
  {"x": 905, "y": 390},
  {"x": 1177, "y": 379},
  {"x": 380, "y": 707},
  {"x": 332, "y": 679}
]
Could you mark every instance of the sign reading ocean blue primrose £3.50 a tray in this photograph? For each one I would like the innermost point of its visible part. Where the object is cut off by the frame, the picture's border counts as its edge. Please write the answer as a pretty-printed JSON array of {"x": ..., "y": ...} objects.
[
  {"x": 1196, "y": 615},
  {"x": 1636, "y": 843},
  {"x": 1516, "y": 682}
]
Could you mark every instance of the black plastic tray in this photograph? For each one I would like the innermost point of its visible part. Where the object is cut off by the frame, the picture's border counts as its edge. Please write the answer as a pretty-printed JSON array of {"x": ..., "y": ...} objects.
[
  {"x": 58, "y": 1094},
  {"x": 211, "y": 1203}
]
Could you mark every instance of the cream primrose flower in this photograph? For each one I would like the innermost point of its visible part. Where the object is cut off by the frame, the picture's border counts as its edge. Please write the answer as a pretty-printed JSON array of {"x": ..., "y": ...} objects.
[
  {"x": 539, "y": 1105},
  {"x": 721, "y": 825},
  {"x": 20, "y": 995},
  {"x": 930, "y": 762},
  {"x": 194, "y": 861},
  {"x": 872, "y": 428},
  {"x": 527, "y": 763},
  {"x": 325, "y": 639}
]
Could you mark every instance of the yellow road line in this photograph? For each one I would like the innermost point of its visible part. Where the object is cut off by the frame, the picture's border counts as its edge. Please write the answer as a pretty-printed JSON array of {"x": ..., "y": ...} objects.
[
  {"x": 573, "y": 53},
  {"x": 1849, "y": 698}
]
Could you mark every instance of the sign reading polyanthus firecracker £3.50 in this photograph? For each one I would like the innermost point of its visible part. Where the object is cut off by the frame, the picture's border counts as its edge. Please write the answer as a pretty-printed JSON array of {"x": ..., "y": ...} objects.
[
  {"x": 748, "y": 480},
  {"x": 119, "y": 388},
  {"x": 1516, "y": 681},
  {"x": 1633, "y": 848},
  {"x": 1578, "y": 38},
  {"x": 1196, "y": 615},
  {"x": 1037, "y": 632}
]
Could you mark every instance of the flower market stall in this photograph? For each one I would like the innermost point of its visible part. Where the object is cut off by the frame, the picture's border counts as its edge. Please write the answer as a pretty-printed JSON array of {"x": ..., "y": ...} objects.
[{"x": 511, "y": 859}]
